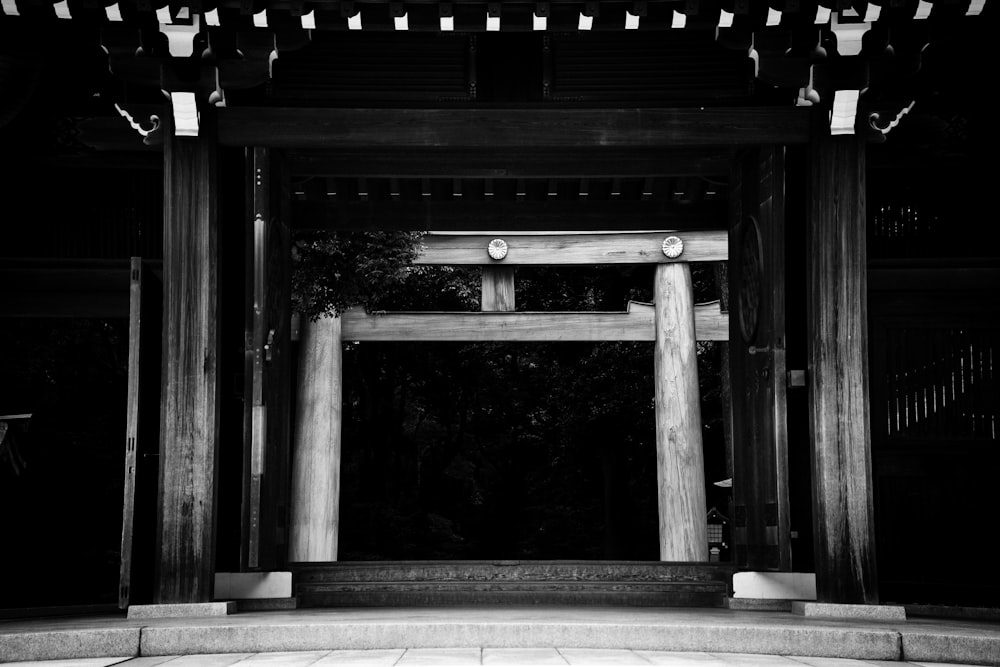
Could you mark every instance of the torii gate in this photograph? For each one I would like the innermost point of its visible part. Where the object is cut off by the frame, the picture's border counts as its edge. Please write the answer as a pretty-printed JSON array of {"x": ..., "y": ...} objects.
[{"x": 673, "y": 322}]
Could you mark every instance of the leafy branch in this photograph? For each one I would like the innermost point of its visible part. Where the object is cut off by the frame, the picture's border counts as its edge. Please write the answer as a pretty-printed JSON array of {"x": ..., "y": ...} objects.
[{"x": 335, "y": 271}]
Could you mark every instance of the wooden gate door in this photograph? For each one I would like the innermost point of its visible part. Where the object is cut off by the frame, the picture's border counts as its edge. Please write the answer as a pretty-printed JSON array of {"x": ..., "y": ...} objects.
[
  {"x": 142, "y": 442},
  {"x": 267, "y": 371},
  {"x": 761, "y": 524}
]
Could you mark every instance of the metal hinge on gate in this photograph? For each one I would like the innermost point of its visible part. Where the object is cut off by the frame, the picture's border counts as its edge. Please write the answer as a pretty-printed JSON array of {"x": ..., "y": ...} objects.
[{"x": 268, "y": 344}]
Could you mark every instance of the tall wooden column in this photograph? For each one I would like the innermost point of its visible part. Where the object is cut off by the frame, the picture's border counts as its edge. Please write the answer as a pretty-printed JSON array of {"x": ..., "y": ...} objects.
[
  {"x": 189, "y": 433},
  {"x": 838, "y": 373},
  {"x": 680, "y": 467},
  {"x": 316, "y": 447}
]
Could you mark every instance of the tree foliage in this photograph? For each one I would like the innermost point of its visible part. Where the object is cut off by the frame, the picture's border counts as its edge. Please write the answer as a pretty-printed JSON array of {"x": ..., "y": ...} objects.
[{"x": 335, "y": 271}]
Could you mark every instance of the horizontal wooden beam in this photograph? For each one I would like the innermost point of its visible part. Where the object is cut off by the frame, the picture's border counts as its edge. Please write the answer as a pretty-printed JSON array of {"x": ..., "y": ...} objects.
[
  {"x": 578, "y": 249},
  {"x": 499, "y": 129},
  {"x": 553, "y": 215},
  {"x": 636, "y": 325},
  {"x": 597, "y": 162}
]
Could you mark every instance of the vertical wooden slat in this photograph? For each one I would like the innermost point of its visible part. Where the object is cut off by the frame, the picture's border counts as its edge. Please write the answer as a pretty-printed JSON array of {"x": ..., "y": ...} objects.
[
  {"x": 725, "y": 373},
  {"x": 190, "y": 387},
  {"x": 771, "y": 167},
  {"x": 278, "y": 369},
  {"x": 937, "y": 377},
  {"x": 838, "y": 378},
  {"x": 315, "y": 496},
  {"x": 267, "y": 366},
  {"x": 256, "y": 331},
  {"x": 131, "y": 429},
  {"x": 680, "y": 460},
  {"x": 498, "y": 288}
]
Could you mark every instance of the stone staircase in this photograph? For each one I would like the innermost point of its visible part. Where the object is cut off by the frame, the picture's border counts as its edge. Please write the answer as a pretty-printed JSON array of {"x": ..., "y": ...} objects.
[{"x": 441, "y": 583}]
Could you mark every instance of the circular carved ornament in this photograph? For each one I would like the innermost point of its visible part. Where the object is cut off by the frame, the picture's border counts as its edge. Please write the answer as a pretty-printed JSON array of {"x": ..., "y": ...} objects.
[
  {"x": 672, "y": 247},
  {"x": 751, "y": 278},
  {"x": 497, "y": 249}
]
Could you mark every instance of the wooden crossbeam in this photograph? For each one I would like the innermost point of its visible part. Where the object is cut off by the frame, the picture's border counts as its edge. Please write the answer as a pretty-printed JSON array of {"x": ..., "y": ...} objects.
[
  {"x": 592, "y": 162},
  {"x": 634, "y": 325},
  {"x": 498, "y": 129},
  {"x": 580, "y": 249}
]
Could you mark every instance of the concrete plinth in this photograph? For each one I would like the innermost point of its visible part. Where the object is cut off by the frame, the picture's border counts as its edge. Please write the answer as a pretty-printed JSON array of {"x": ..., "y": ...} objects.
[
  {"x": 775, "y": 585},
  {"x": 192, "y": 610},
  {"x": 252, "y": 585},
  {"x": 267, "y": 604},
  {"x": 758, "y": 604},
  {"x": 868, "y": 612}
]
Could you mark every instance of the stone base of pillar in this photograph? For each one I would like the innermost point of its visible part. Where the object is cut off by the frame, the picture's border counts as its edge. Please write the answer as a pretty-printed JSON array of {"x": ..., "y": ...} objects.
[
  {"x": 757, "y": 604},
  {"x": 868, "y": 612},
  {"x": 252, "y": 585},
  {"x": 267, "y": 604},
  {"x": 183, "y": 610},
  {"x": 775, "y": 585}
]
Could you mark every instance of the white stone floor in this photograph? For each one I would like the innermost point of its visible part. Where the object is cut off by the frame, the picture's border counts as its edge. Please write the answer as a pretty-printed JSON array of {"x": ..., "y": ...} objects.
[{"x": 474, "y": 656}]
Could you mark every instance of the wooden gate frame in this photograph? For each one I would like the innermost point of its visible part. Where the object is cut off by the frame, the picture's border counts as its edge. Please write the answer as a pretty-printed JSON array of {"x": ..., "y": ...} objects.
[{"x": 673, "y": 322}]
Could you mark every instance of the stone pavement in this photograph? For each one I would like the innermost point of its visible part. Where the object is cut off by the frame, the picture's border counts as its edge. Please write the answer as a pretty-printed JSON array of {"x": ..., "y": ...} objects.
[
  {"x": 475, "y": 656},
  {"x": 500, "y": 635}
]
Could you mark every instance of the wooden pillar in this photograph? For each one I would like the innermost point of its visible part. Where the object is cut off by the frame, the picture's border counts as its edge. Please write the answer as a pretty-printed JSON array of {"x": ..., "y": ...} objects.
[
  {"x": 838, "y": 373},
  {"x": 189, "y": 434},
  {"x": 680, "y": 468},
  {"x": 316, "y": 448}
]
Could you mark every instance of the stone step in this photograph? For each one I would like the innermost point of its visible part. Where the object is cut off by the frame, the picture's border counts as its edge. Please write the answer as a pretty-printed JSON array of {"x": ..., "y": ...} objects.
[
  {"x": 511, "y": 570},
  {"x": 425, "y": 583}
]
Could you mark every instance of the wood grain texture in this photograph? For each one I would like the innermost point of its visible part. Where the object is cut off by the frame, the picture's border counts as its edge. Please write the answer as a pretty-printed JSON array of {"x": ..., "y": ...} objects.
[
  {"x": 550, "y": 249},
  {"x": 760, "y": 481},
  {"x": 498, "y": 129},
  {"x": 131, "y": 430},
  {"x": 710, "y": 324},
  {"x": 190, "y": 385},
  {"x": 843, "y": 511},
  {"x": 498, "y": 289},
  {"x": 315, "y": 496},
  {"x": 680, "y": 460}
]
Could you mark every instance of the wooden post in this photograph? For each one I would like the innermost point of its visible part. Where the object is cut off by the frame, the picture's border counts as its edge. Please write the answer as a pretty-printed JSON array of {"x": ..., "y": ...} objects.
[
  {"x": 267, "y": 368},
  {"x": 141, "y": 436},
  {"x": 838, "y": 373},
  {"x": 316, "y": 449},
  {"x": 189, "y": 415},
  {"x": 498, "y": 289},
  {"x": 680, "y": 468}
]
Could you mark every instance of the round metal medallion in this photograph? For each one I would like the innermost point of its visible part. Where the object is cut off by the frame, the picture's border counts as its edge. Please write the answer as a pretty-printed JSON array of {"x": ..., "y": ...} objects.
[
  {"x": 497, "y": 249},
  {"x": 751, "y": 270},
  {"x": 673, "y": 247}
]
